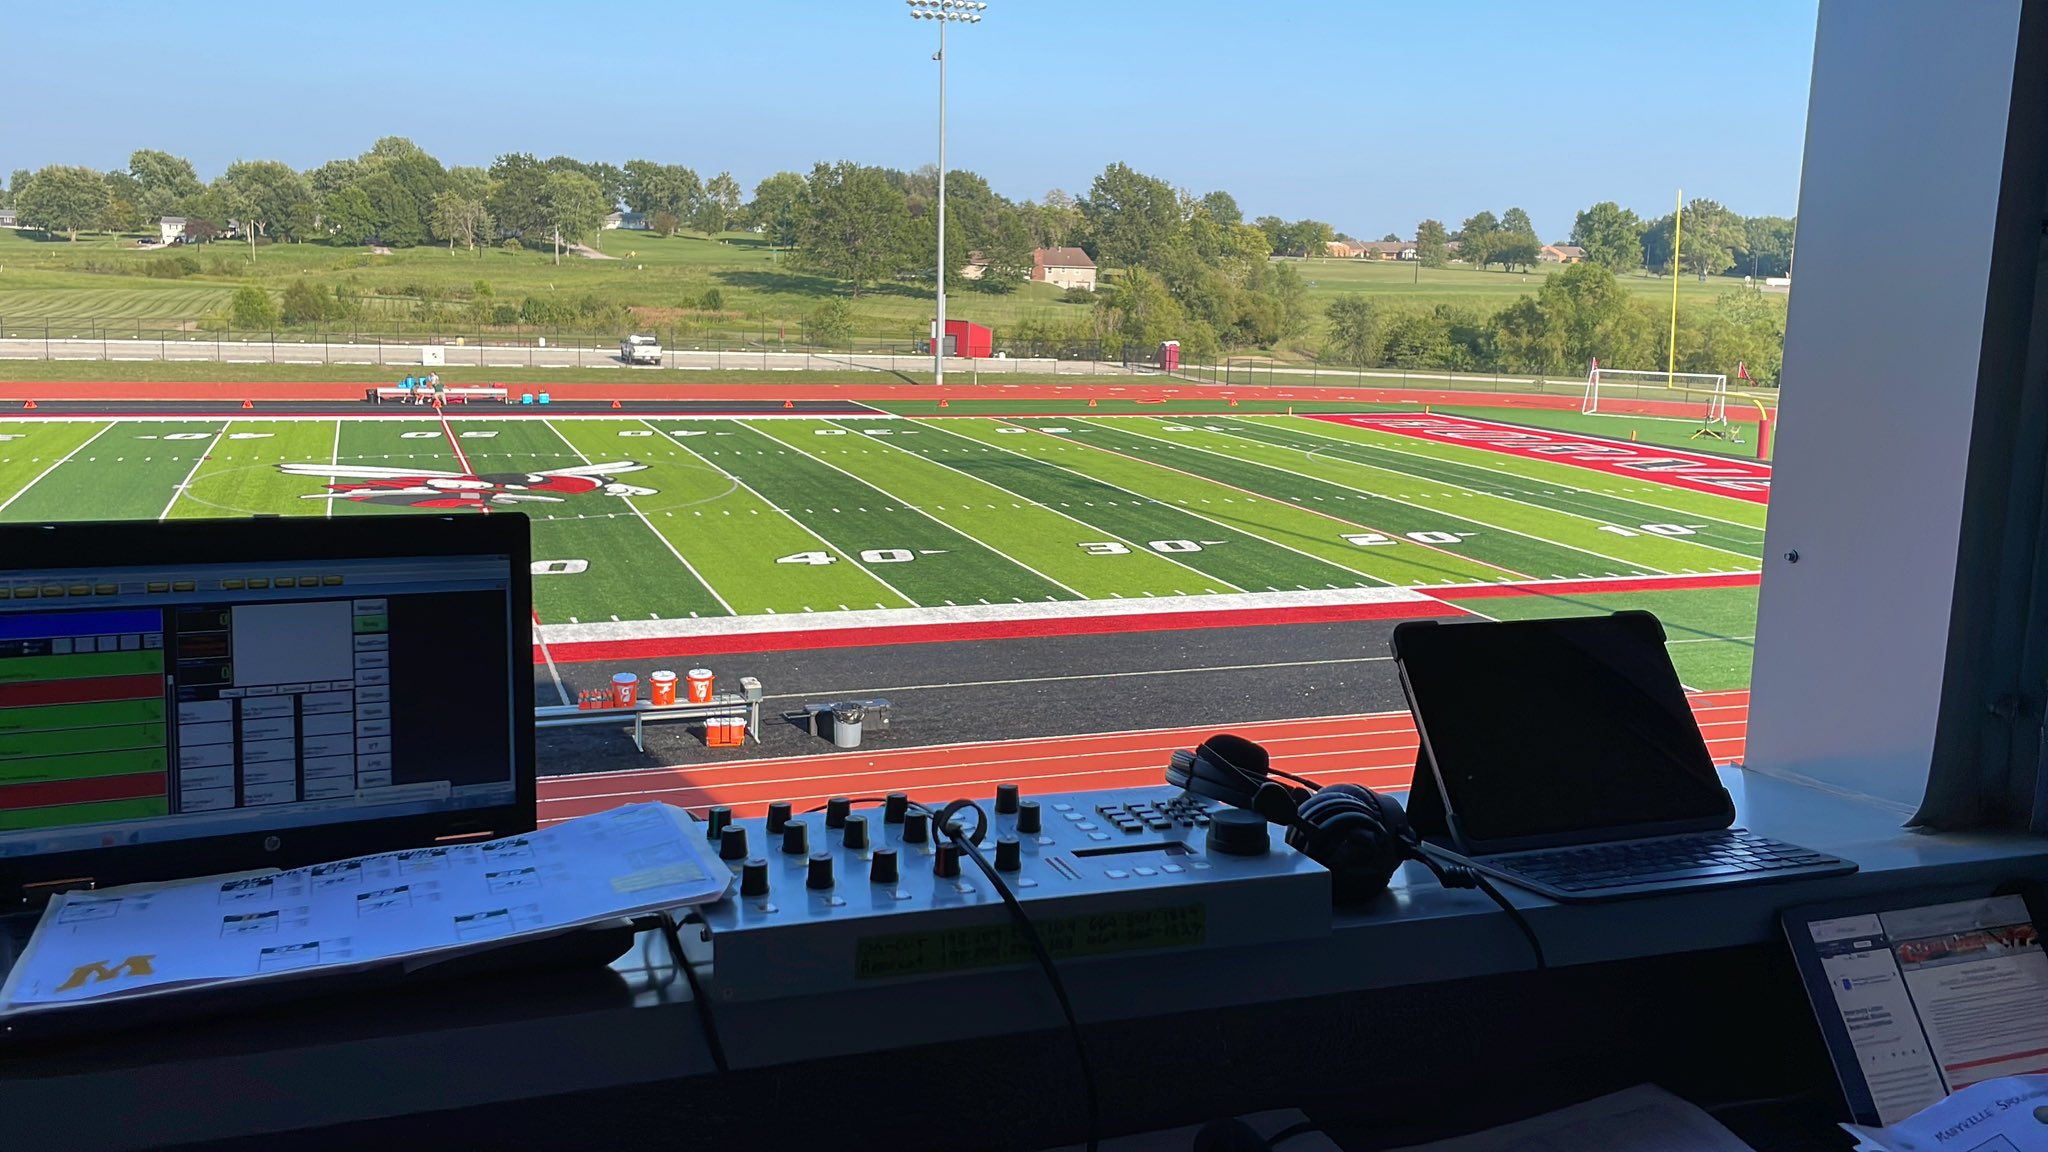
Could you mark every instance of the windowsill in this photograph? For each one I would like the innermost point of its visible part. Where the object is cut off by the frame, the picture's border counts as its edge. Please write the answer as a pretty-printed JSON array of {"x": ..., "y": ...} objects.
[{"x": 386, "y": 1056}]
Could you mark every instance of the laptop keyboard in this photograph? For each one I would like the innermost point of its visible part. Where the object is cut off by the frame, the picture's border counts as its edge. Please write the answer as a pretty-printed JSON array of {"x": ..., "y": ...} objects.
[{"x": 1697, "y": 856}]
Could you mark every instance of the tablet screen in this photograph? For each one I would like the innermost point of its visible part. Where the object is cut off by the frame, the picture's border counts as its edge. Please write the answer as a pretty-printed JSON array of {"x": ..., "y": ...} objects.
[
  {"x": 1933, "y": 999},
  {"x": 1542, "y": 728}
]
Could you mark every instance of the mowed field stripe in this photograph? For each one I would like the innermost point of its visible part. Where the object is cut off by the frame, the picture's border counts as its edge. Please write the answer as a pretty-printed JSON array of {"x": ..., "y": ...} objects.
[
  {"x": 1625, "y": 503},
  {"x": 1728, "y": 509},
  {"x": 1440, "y": 566},
  {"x": 1217, "y": 549},
  {"x": 1058, "y": 546},
  {"x": 30, "y": 451},
  {"x": 1576, "y": 559},
  {"x": 1019, "y": 482},
  {"x": 655, "y": 532},
  {"x": 731, "y": 455},
  {"x": 1377, "y": 750},
  {"x": 240, "y": 476},
  {"x": 1553, "y": 515},
  {"x": 966, "y": 565},
  {"x": 130, "y": 472}
]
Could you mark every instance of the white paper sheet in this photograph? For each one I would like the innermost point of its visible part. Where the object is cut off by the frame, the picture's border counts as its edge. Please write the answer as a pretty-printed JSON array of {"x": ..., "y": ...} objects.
[
  {"x": 414, "y": 906},
  {"x": 2005, "y": 1115},
  {"x": 1645, "y": 1118}
]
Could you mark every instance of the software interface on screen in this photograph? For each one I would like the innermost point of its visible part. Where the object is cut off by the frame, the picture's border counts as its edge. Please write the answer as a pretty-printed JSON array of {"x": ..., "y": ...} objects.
[
  {"x": 147, "y": 704},
  {"x": 1937, "y": 998}
]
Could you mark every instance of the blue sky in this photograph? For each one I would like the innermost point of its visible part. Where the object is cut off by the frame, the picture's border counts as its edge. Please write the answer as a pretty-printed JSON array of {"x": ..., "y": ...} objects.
[{"x": 1365, "y": 113}]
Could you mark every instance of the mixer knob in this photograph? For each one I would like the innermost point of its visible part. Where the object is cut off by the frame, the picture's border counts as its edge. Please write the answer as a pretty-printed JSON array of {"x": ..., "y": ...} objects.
[
  {"x": 946, "y": 863},
  {"x": 1009, "y": 854},
  {"x": 894, "y": 805},
  {"x": 796, "y": 838},
  {"x": 856, "y": 832},
  {"x": 778, "y": 816},
  {"x": 1234, "y": 832},
  {"x": 1027, "y": 817},
  {"x": 732, "y": 843},
  {"x": 821, "y": 871},
  {"x": 754, "y": 878},
  {"x": 716, "y": 821},
  {"x": 882, "y": 869},
  {"x": 1006, "y": 799},
  {"x": 917, "y": 827},
  {"x": 835, "y": 811}
]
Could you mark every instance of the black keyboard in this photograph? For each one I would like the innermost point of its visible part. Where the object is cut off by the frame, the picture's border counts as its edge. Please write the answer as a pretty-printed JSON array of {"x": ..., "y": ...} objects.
[{"x": 1701, "y": 856}]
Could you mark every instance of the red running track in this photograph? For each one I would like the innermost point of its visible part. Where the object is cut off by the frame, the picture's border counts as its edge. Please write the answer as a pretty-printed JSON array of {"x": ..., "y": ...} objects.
[
  {"x": 1377, "y": 750},
  {"x": 15, "y": 393}
]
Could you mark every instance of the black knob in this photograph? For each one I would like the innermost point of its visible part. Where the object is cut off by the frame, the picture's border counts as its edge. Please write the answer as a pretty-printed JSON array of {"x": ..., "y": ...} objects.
[
  {"x": 796, "y": 838},
  {"x": 1009, "y": 854},
  {"x": 894, "y": 805},
  {"x": 947, "y": 861},
  {"x": 778, "y": 816},
  {"x": 754, "y": 877},
  {"x": 917, "y": 827},
  {"x": 732, "y": 843},
  {"x": 1006, "y": 799},
  {"x": 1233, "y": 832},
  {"x": 856, "y": 832},
  {"x": 835, "y": 811},
  {"x": 882, "y": 869},
  {"x": 821, "y": 871},
  {"x": 716, "y": 821},
  {"x": 1027, "y": 817}
]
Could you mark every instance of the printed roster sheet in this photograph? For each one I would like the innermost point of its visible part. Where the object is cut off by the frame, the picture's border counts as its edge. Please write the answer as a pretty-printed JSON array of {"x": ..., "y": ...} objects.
[{"x": 413, "y": 906}]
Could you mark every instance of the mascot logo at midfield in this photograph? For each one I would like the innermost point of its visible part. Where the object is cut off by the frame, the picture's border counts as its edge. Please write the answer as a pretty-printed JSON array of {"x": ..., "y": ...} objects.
[{"x": 414, "y": 488}]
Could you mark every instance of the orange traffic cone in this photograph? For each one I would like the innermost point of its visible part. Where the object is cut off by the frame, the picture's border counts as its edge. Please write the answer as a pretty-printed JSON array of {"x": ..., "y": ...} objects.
[
  {"x": 30, "y": 406},
  {"x": 617, "y": 405},
  {"x": 248, "y": 404},
  {"x": 789, "y": 403},
  {"x": 945, "y": 404},
  {"x": 1091, "y": 401},
  {"x": 1233, "y": 402}
]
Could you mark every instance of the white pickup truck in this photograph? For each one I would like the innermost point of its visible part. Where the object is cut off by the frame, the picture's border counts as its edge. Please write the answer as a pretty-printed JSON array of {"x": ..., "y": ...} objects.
[{"x": 640, "y": 350}]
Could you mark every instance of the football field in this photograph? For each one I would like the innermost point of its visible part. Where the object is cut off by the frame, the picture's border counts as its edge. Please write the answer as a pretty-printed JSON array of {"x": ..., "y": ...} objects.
[{"x": 667, "y": 520}]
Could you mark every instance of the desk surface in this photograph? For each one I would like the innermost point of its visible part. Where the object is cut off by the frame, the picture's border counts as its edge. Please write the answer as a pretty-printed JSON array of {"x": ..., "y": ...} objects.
[{"x": 430, "y": 1048}]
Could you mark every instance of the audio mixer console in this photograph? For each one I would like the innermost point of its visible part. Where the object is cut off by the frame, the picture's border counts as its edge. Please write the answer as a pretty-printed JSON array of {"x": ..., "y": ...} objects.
[{"x": 850, "y": 897}]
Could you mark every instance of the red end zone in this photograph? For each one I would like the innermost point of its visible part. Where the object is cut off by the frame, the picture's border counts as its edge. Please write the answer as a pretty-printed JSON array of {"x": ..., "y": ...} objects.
[{"x": 1721, "y": 475}]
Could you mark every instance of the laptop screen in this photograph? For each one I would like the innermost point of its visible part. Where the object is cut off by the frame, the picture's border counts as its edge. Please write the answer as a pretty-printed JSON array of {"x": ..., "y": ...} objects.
[
  {"x": 1565, "y": 728},
  {"x": 163, "y": 702}
]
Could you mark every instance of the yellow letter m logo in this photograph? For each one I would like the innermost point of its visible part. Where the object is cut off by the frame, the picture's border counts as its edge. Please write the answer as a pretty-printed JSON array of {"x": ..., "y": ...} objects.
[{"x": 93, "y": 973}]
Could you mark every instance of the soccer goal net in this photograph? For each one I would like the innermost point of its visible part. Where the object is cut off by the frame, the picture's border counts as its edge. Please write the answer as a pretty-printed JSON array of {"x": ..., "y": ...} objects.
[{"x": 1708, "y": 388}]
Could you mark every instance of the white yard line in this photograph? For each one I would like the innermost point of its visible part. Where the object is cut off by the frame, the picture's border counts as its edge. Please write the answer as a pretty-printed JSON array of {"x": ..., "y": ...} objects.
[
  {"x": 694, "y": 574},
  {"x": 1518, "y": 477},
  {"x": 962, "y": 532},
  {"x": 853, "y": 560},
  {"x": 1176, "y": 507},
  {"x": 180, "y": 489},
  {"x": 1127, "y": 542},
  {"x": 1390, "y": 499},
  {"x": 333, "y": 461},
  {"x": 57, "y": 465}
]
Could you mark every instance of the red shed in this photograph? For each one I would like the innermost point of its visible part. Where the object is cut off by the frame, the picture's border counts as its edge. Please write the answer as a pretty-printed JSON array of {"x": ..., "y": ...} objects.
[{"x": 966, "y": 338}]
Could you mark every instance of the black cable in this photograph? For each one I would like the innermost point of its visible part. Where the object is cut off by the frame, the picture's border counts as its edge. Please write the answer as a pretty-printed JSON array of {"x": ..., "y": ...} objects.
[
  {"x": 1452, "y": 875},
  {"x": 1038, "y": 950},
  {"x": 703, "y": 1002}
]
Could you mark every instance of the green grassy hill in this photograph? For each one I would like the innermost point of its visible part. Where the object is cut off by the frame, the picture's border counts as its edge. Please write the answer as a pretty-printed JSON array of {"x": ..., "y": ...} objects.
[{"x": 106, "y": 283}]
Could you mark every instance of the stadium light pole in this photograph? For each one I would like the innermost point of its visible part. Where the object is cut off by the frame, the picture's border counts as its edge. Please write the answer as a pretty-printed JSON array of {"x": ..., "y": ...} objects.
[{"x": 944, "y": 12}]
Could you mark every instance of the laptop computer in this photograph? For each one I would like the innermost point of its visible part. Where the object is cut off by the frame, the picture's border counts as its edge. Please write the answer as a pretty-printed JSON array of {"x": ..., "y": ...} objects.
[
  {"x": 1921, "y": 994},
  {"x": 1562, "y": 756},
  {"x": 190, "y": 697}
]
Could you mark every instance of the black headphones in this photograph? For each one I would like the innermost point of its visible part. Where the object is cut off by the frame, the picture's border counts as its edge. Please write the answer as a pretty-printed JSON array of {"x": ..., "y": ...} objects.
[{"x": 1358, "y": 834}]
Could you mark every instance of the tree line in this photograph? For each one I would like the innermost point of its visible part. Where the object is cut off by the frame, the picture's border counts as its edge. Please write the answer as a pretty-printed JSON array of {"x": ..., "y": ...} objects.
[{"x": 1176, "y": 265}]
